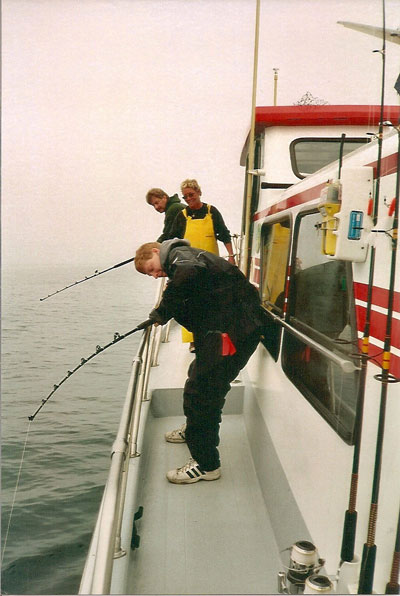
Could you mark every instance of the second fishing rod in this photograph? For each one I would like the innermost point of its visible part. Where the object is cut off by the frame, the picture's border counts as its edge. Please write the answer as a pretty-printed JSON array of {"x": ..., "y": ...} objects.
[
  {"x": 385, "y": 378},
  {"x": 86, "y": 278}
]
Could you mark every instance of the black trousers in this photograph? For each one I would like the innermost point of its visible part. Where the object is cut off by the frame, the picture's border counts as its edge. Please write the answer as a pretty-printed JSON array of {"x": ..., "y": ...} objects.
[{"x": 208, "y": 382}]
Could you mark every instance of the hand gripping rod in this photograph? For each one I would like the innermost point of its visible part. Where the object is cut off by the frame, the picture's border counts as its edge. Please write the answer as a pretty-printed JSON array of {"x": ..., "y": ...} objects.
[
  {"x": 95, "y": 274},
  {"x": 117, "y": 338}
]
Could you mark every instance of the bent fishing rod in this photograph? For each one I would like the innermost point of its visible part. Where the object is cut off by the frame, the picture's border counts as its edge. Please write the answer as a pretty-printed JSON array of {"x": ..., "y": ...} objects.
[
  {"x": 392, "y": 587},
  {"x": 95, "y": 274},
  {"x": 117, "y": 338}
]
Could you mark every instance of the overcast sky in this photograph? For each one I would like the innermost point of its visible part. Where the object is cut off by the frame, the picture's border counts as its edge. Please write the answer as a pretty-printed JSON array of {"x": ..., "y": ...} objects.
[{"x": 104, "y": 99}]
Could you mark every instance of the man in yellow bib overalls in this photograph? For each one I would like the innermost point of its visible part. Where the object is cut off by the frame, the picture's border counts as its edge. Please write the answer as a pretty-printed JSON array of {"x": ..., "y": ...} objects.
[{"x": 202, "y": 225}]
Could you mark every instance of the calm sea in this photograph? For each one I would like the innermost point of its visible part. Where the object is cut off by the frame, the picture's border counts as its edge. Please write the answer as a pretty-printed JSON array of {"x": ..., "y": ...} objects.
[{"x": 67, "y": 454}]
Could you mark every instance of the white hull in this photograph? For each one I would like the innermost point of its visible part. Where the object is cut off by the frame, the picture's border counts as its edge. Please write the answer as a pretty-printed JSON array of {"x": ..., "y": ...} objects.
[{"x": 286, "y": 448}]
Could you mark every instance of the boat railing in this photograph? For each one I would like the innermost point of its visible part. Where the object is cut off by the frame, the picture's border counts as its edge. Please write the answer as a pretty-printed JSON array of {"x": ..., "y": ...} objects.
[{"x": 106, "y": 541}]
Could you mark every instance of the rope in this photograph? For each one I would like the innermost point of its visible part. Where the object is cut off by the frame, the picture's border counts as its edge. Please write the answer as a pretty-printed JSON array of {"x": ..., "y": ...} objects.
[{"x": 15, "y": 491}]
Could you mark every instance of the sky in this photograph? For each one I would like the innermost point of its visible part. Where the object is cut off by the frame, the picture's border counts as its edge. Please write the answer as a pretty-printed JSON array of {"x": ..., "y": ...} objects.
[{"x": 104, "y": 99}]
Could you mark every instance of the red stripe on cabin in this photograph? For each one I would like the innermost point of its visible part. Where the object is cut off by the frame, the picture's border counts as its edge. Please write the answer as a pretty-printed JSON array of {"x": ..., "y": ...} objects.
[
  {"x": 388, "y": 165},
  {"x": 378, "y": 325},
  {"x": 380, "y": 296},
  {"x": 293, "y": 201}
]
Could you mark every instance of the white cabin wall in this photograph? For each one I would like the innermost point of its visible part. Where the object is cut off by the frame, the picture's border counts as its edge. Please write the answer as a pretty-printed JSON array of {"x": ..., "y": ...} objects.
[
  {"x": 276, "y": 154},
  {"x": 307, "y": 447},
  {"x": 277, "y": 165},
  {"x": 317, "y": 464},
  {"x": 389, "y": 493},
  {"x": 315, "y": 460}
]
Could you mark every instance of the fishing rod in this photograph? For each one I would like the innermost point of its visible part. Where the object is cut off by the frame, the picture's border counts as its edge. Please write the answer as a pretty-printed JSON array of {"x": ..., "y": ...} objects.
[
  {"x": 392, "y": 587},
  {"x": 95, "y": 274},
  {"x": 350, "y": 521},
  {"x": 117, "y": 338},
  {"x": 369, "y": 551}
]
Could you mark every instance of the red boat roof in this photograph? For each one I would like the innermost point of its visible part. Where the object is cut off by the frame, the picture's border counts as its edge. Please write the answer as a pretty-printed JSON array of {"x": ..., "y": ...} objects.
[{"x": 325, "y": 115}]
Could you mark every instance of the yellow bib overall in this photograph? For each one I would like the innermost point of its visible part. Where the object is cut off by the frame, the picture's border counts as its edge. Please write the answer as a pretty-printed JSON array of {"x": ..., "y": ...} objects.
[{"x": 200, "y": 233}]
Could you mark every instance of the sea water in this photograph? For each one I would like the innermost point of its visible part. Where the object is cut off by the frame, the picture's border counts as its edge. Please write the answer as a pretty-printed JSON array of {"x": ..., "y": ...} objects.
[{"x": 62, "y": 463}]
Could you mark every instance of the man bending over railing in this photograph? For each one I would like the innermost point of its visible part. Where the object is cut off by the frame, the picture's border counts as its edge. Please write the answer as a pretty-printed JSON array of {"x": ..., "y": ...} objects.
[{"x": 214, "y": 300}]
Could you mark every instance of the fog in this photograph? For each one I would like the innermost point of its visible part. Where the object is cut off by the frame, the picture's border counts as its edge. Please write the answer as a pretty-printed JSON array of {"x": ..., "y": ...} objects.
[{"x": 103, "y": 100}]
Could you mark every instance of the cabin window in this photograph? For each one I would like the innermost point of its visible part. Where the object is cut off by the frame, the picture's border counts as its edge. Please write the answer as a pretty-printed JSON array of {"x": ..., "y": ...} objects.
[
  {"x": 275, "y": 238},
  {"x": 311, "y": 154},
  {"x": 321, "y": 306}
]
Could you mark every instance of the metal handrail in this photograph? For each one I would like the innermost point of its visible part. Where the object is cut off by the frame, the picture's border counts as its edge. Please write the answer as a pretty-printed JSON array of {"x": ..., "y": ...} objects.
[
  {"x": 157, "y": 342},
  {"x": 347, "y": 366},
  {"x": 158, "y": 333},
  {"x": 111, "y": 512},
  {"x": 166, "y": 333},
  {"x": 108, "y": 527}
]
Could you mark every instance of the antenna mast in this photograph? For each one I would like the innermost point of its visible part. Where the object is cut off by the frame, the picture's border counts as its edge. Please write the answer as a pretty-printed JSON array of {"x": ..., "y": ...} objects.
[
  {"x": 250, "y": 163},
  {"x": 275, "y": 85}
]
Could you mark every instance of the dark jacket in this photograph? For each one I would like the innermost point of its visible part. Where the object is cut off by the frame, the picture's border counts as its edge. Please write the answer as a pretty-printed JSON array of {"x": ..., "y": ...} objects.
[
  {"x": 173, "y": 207},
  {"x": 206, "y": 293}
]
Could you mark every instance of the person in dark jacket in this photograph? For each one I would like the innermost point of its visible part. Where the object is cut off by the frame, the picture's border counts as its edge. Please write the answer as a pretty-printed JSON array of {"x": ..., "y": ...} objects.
[
  {"x": 214, "y": 300},
  {"x": 162, "y": 203}
]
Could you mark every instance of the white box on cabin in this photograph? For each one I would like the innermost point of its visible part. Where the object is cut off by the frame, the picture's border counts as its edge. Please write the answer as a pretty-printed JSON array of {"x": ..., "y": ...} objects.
[{"x": 353, "y": 222}]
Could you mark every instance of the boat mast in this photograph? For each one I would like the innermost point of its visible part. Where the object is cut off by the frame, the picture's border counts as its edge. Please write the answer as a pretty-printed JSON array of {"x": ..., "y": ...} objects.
[
  {"x": 250, "y": 161},
  {"x": 275, "y": 85}
]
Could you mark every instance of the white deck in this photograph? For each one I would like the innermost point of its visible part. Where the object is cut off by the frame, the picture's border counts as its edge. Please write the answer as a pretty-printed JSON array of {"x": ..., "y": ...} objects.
[{"x": 208, "y": 537}]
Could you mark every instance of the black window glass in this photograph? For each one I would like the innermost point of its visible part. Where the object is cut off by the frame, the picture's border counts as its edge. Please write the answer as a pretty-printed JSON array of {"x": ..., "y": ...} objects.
[
  {"x": 321, "y": 307},
  {"x": 310, "y": 155}
]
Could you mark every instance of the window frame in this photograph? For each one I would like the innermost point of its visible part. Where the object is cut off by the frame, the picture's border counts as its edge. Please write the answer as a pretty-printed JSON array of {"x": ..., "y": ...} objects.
[
  {"x": 319, "y": 337},
  {"x": 273, "y": 340},
  {"x": 292, "y": 149}
]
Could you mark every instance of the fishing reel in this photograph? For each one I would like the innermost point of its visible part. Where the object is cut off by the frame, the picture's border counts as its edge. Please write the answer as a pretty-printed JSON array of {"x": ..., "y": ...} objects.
[{"x": 302, "y": 576}]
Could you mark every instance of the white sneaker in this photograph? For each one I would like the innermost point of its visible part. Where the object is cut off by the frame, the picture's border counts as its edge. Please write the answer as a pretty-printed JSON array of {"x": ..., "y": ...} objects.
[
  {"x": 191, "y": 472},
  {"x": 176, "y": 436}
]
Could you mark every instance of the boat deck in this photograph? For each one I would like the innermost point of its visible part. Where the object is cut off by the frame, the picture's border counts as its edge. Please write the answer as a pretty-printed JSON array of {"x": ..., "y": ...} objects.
[{"x": 207, "y": 537}]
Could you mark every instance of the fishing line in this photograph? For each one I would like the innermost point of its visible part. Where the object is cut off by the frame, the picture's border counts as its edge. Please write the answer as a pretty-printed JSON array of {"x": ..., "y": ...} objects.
[
  {"x": 117, "y": 338},
  {"x": 95, "y": 274},
  {"x": 15, "y": 491}
]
